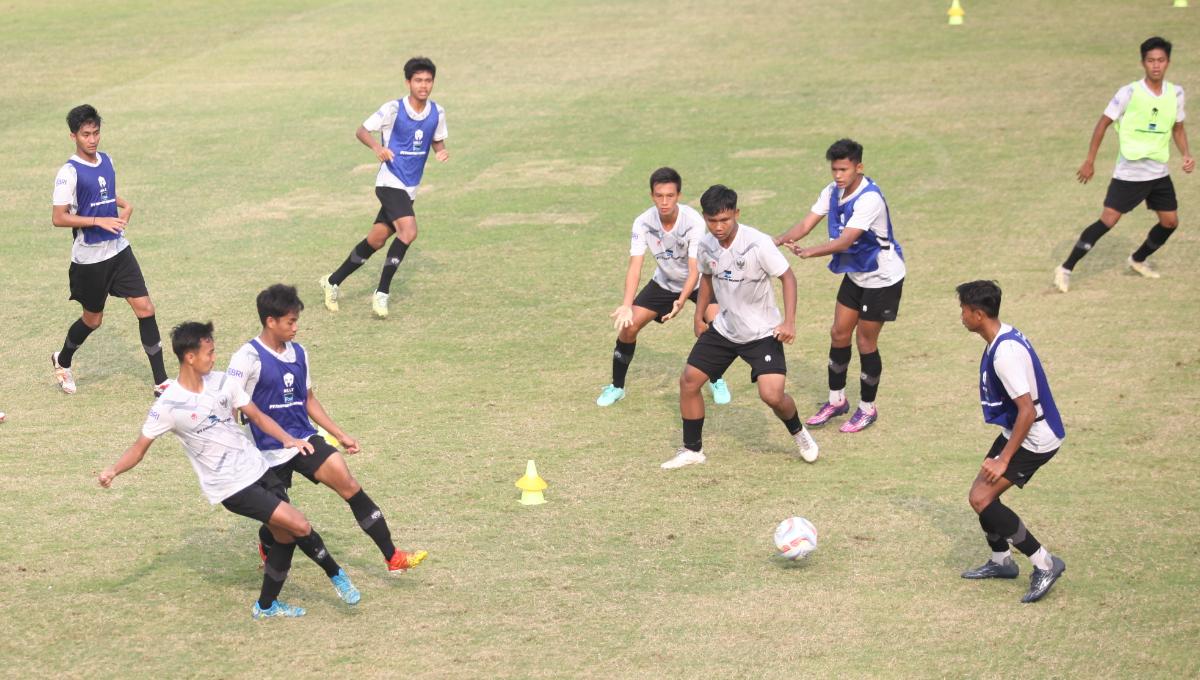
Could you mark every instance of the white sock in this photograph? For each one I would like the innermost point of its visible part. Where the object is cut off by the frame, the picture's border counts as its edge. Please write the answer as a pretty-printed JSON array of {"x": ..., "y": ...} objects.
[
  {"x": 837, "y": 396},
  {"x": 999, "y": 557},
  {"x": 866, "y": 406},
  {"x": 1041, "y": 559}
]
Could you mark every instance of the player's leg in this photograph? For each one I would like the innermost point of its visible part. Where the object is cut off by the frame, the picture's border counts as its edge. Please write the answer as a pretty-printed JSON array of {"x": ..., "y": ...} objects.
[
  {"x": 768, "y": 369},
  {"x": 379, "y": 233},
  {"x": 866, "y": 336},
  {"x": 1122, "y": 196},
  {"x": 399, "y": 207},
  {"x": 711, "y": 355},
  {"x": 845, "y": 318},
  {"x": 1162, "y": 200},
  {"x": 623, "y": 354},
  {"x": 717, "y": 385},
  {"x": 143, "y": 309},
  {"x": 89, "y": 287},
  {"x": 285, "y": 522}
]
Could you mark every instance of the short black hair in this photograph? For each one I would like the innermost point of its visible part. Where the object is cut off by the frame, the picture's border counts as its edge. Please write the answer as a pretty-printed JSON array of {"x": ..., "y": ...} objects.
[
  {"x": 277, "y": 302},
  {"x": 717, "y": 199},
  {"x": 981, "y": 295},
  {"x": 1156, "y": 43},
  {"x": 845, "y": 148},
  {"x": 187, "y": 336},
  {"x": 417, "y": 64},
  {"x": 666, "y": 175},
  {"x": 84, "y": 113}
]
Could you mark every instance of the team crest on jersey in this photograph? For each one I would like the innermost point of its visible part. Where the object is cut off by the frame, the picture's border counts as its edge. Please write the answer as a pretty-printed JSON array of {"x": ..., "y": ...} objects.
[
  {"x": 418, "y": 139},
  {"x": 103, "y": 187},
  {"x": 289, "y": 390},
  {"x": 740, "y": 262}
]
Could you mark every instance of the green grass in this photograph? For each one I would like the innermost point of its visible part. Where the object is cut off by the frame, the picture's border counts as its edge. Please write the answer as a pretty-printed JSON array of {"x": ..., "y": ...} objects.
[{"x": 232, "y": 127}]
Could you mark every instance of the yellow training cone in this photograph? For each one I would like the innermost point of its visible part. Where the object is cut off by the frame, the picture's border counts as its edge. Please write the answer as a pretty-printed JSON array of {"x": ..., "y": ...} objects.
[
  {"x": 1181, "y": 3},
  {"x": 531, "y": 486},
  {"x": 956, "y": 13}
]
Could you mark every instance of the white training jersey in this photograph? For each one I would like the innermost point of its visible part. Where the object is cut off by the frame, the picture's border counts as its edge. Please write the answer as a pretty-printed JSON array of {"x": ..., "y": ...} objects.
[
  {"x": 741, "y": 281},
  {"x": 244, "y": 368},
  {"x": 221, "y": 453},
  {"x": 1144, "y": 169},
  {"x": 870, "y": 214},
  {"x": 382, "y": 122},
  {"x": 1014, "y": 367},
  {"x": 64, "y": 194},
  {"x": 671, "y": 249}
]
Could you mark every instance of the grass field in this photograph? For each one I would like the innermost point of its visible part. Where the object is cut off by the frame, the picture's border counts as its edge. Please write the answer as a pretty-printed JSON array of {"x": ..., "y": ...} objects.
[{"x": 232, "y": 127}]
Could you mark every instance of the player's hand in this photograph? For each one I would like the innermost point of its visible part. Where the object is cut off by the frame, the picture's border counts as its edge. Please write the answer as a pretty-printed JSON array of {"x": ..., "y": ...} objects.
[
  {"x": 384, "y": 154},
  {"x": 349, "y": 444},
  {"x": 1189, "y": 164},
  {"x": 993, "y": 469},
  {"x": 442, "y": 155},
  {"x": 1085, "y": 172},
  {"x": 792, "y": 246},
  {"x": 699, "y": 326},
  {"x": 106, "y": 478},
  {"x": 675, "y": 307},
  {"x": 622, "y": 317},
  {"x": 785, "y": 333},
  {"x": 299, "y": 444},
  {"x": 113, "y": 225}
]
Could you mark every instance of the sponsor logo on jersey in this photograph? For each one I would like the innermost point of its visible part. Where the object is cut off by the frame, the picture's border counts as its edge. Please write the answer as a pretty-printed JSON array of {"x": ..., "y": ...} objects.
[
  {"x": 235, "y": 373},
  {"x": 418, "y": 139}
]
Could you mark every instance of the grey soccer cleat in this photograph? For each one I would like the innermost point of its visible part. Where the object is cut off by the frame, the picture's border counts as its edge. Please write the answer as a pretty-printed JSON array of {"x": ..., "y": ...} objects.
[
  {"x": 990, "y": 569},
  {"x": 1042, "y": 579}
]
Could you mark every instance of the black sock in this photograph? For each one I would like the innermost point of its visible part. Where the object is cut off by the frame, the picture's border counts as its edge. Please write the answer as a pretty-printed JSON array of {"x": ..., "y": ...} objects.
[
  {"x": 868, "y": 381},
  {"x": 357, "y": 257},
  {"x": 275, "y": 572},
  {"x": 1000, "y": 520},
  {"x": 395, "y": 255},
  {"x": 312, "y": 546},
  {"x": 1087, "y": 240},
  {"x": 693, "y": 431},
  {"x": 995, "y": 541},
  {"x": 152, "y": 343},
  {"x": 266, "y": 538},
  {"x": 1156, "y": 239},
  {"x": 370, "y": 518},
  {"x": 622, "y": 355},
  {"x": 76, "y": 334},
  {"x": 793, "y": 424},
  {"x": 839, "y": 362}
]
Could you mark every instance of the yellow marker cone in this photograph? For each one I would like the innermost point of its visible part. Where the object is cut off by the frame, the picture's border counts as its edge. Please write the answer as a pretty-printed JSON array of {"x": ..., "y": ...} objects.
[
  {"x": 531, "y": 486},
  {"x": 956, "y": 13},
  {"x": 1181, "y": 3}
]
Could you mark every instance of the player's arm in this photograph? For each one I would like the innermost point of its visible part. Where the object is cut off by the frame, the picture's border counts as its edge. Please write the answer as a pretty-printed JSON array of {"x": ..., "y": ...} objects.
[
  {"x": 268, "y": 425},
  {"x": 321, "y": 417},
  {"x": 840, "y": 244},
  {"x": 1088, "y": 168},
  {"x": 786, "y": 331},
  {"x": 1181, "y": 141},
  {"x": 128, "y": 460},
  {"x": 383, "y": 153},
  {"x": 993, "y": 468},
  {"x": 623, "y": 315},
  {"x": 688, "y": 284},
  {"x": 61, "y": 216},
  {"x": 124, "y": 209},
  {"x": 703, "y": 300},
  {"x": 799, "y": 230},
  {"x": 439, "y": 150}
]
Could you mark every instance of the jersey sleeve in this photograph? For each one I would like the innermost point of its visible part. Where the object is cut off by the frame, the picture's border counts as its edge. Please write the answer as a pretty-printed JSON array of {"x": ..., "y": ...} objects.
[
  {"x": 244, "y": 368},
  {"x": 821, "y": 207},
  {"x": 441, "y": 133},
  {"x": 773, "y": 262},
  {"x": 1120, "y": 101},
  {"x": 64, "y": 185},
  {"x": 867, "y": 211},
  {"x": 1013, "y": 366},
  {"x": 694, "y": 242},
  {"x": 637, "y": 240},
  {"x": 158, "y": 420},
  {"x": 384, "y": 117},
  {"x": 702, "y": 259},
  {"x": 1179, "y": 112}
]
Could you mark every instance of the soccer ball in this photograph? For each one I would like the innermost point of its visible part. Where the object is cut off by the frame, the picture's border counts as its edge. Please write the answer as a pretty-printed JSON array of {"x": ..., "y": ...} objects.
[{"x": 795, "y": 538}]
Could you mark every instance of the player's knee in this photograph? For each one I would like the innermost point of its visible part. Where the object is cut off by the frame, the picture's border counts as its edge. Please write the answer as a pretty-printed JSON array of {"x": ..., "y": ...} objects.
[
  {"x": 1169, "y": 222},
  {"x": 772, "y": 398},
  {"x": 93, "y": 319},
  {"x": 628, "y": 334},
  {"x": 839, "y": 337},
  {"x": 144, "y": 309},
  {"x": 691, "y": 381},
  {"x": 301, "y": 527},
  {"x": 979, "y": 499}
]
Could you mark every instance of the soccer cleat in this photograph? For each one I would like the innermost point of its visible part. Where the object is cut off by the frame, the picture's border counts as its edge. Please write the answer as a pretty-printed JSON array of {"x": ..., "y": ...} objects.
[
  {"x": 1041, "y": 580},
  {"x": 331, "y": 293},
  {"x": 807, "y": 445},
  {"x": 379, "y": 305},
  {"x": 990, "y": 569},
  {"x": 860, "y": 421},
  {"x": 1142, "y": 268},
  {"x": 720, "y": 391},
  {"x": 402, "y": 561},
  {"x": 1062, "y": 279},
  {"x": 66, "y": 380},
  {"x": 162, "y": 387},
  {"x": 610, "y": 395},
  {"x": 827, "y": 412},
  {"x": 684, "y": 456},
  {"x": 345, "y": 589},
  {"x": 277, "y": 608}
]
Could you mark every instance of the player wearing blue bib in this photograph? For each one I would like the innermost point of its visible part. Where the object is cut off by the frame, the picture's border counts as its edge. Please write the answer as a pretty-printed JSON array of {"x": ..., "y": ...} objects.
[
  {"x": 865, "y": 251},
  {"x": 409, "y": 129},
  {"x": 102, "y": 261},
  {"x": 1015, "y": 395}
]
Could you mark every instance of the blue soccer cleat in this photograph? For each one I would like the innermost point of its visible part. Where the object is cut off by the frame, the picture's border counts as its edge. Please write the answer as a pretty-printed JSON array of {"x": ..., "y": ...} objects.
[
  {"x": 720, "y": 391},
  {"x": 277, "y": 608},
  {"x": 345, "y": 589},
  {"x": 610, "y": 395}
]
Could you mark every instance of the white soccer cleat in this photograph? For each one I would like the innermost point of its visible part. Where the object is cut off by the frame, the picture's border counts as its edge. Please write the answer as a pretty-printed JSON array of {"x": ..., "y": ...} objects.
[
  {"x": 1142, "y": 268},
  {"x": 1062, "y": 279},
  {"x": 331, "y": 293},
  {"x": 807, "y": 445},
  {"x": 684, "y": 456},
  {"x": 379, "y": 305},
  {"x": 66, "y": 380}
]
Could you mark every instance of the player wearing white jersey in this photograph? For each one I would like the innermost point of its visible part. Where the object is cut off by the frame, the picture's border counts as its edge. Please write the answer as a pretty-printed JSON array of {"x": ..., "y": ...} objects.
[
  {"x": 199, "y": 408},
  {"x": 737, "y": 263},
  {"x": 409, "y": 129},
  {"x": 671, "y": 232}
]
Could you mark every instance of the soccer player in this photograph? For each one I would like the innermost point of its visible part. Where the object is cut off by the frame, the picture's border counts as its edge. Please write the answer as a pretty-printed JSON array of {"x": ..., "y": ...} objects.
[
  {"x": 865, "y": 251},
  {"x": 1147, "y": 114},
  {"x": 274, "y": 370},
  {"x": 102, "y": 261},
  {"x": 1015, "y": 395},
  {"x": 671, "y": 232},
  {"x": 199, "y": 408},
  {"x": 737, "y": 263},
  {"x": 409, "y": 128}
]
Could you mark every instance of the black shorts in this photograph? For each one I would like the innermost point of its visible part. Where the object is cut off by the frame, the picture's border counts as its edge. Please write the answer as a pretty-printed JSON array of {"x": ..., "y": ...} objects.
[
  {"x": 259, "y": 500},
  {"x": 659, "y": 300},
  {"x": 118, "y": 276},
  {"x": 872, "y": 304},
  {"x": 713, "y": 353},
  {"x": 1159, "y": 194},
  {"x": 1023, "y": 464},
  {"x": 305, "y": 464},
  {"x": 394, "y": 203}
]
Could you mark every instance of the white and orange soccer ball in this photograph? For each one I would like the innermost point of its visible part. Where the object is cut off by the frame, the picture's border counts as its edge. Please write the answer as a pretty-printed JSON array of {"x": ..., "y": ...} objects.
[{"x": 795, "y": 538}]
